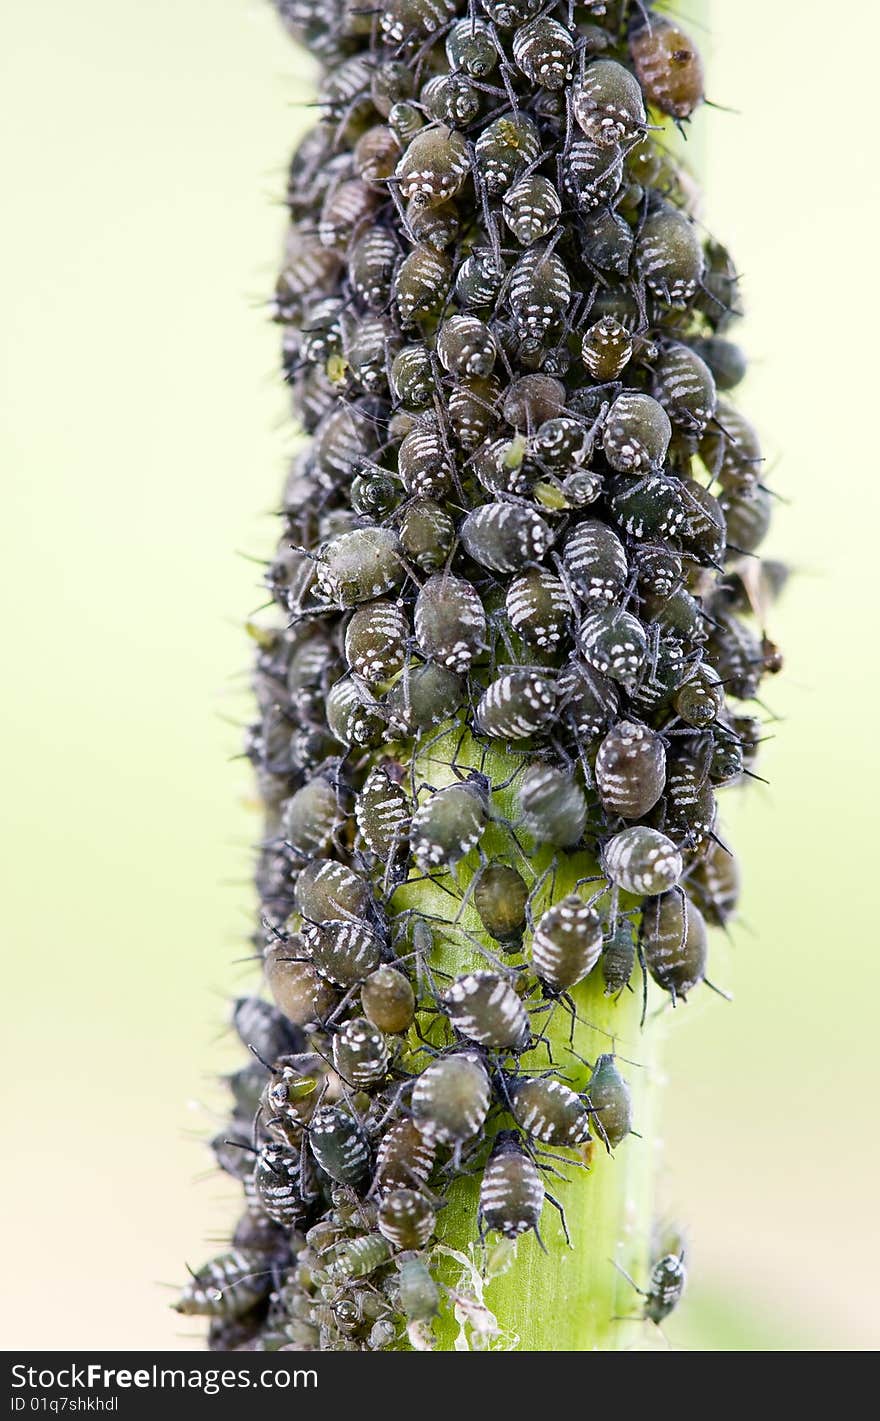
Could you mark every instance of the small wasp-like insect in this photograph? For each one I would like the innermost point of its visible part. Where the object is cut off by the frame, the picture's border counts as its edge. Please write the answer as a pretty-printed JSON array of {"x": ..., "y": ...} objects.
[
  {"x": 450, "y": 1099},
  {"x": 607, "y": 103},
  {"x": 500, "y": 896},
  {"x": 609, "y": 1097},
  {"x": 449, "y": 621},
  {"x": 553, "y": 806},
  {"x": 450, "y": 823},
  {"x": 484, "y": 1008},
  {"x": 667, "y": 64},
  {"x": 566, "y": 944},
  {"x": 642, "y": 860},
  {"x": 630, "y": 769},
  {"x": 406, "y": 1218},
  {"x": 519, "y": 704},
  {"x": 673, "y": 942}
]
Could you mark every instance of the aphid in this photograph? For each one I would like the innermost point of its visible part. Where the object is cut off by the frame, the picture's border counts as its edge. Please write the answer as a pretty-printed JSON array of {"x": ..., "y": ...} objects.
[
  {"x": 376, "y": 154},
  {"x": 479, "y": 280},
  {"x": 405, "y": 1157},
  {"x": 485, "y": 1008},
  {"x": 470, "y": 47},
  {"x": 262, "y": 1027},
  {"x": 700, "y": 698},
  {"x": 611, "y": 1102},
  {"x": 665, "y": 1286},
  {"x": 553, "y": 806},
  {"x": 405, "y": 121},
  {"x": 449, "y": 824},
  {"x": 659, "y": 570},
  {"x": 539, "y": 292},
  {"x": 607, "y": 348},
  {"x": 731, "y": 450},
  {"x": 434, "y": 166},
  {"x": 630, "y": 769},
  {"x": 406, "y": 1218},
  {"x": 705, "y": 529},
  {"x": 371, "y": 263},
  {"x": 421, "y": 284},
  {"x": 382, "y": 812},
  {"x": 607, "y": 103},
  {"x": 667, "y": 64},
  {"x": 417, "y": 1292},
  {"x": 449, "y": 622},
  {"x": 592, "y": 173},
  {"x": 642, "y": 860},
  {"x": 466, "y": 346},
  {"x": 713, "y": 884},
  {"x": 511, "y": 1190},
  {"x": 451, "y": 99},
  {"x": 276, "y": 1184},
  {"x": 673, "y": 940},
  {"x": 500, "y": 897},
  {"x": 424, "y": 696},
  {"x": 595, "y": 561},
  {"x": 505, "y": 537},
  {"x": 614, "y": 643},
  {"x": 423, "y": 463},
  {"x": 532, "y": 399},
  {"x": 427, "y": 534},
  {"x": 725, "y": 359},
  {"x": 670, "y": 256},
  {"x": 388, "y": 1000},
  {"x": 390, "y": 83},
  {"x": 358, "y": 566},
  {"x": 607, "y": 242},
  {"x": 347, "y": 207},
  {"x": 450, "y": 1099},
  {"x": 376, "y": 641},
  {"x": 403, "y": 19},
  {"x": 531, "y": 208},
  {"x": 339, "y": 1144},
  {"x": 471, "y": 410},
  {"x": 505, "y": 146},
  {"x": 566, "y": 943},
  {"x": 549, "y": 1111},
  {"x": 353, "y": 716},
  {"x": 520, "y": 703},
  {"x": 587, "y": 700},
  {"x": 618, "y": 957},
  {"x": 544, "y": 50},
  {"x": 651, "y": 507},
  {"x": 299, "y": 990},
  {"x": 311, "y": 817},
  {"x": 375, "y": 493},
  {"x": 690, "y": 800},
  {"x": 359, "y": 1257},
  {"x": 227, "y": 1287},
  {"x": 538, "y": 607},
  {"x": 685, "y": 388},
  {"x": 678, "y": 616},
  {"x": 360, "y": 1053},
  {"x": 563, "y": 444},
  {"x": 343, "y": 951},
  {"x": 636, "y": 433}
]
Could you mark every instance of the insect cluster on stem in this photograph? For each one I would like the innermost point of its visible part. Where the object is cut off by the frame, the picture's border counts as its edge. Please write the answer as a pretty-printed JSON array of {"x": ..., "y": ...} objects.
[{"x": 523, "y": 532}]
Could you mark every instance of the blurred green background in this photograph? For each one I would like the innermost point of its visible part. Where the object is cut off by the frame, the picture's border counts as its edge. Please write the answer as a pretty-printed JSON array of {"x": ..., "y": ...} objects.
[{"x": 143, "y": 443}]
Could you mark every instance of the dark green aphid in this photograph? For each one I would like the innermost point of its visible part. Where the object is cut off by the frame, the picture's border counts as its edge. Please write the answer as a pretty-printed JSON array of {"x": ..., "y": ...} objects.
[
  {"x": 371, "y": 263},
  {"x": 449, "y": 622},
  {"x": 538, "y": 608},
  {"x": 595, "y": 561},
  {"x": 388, "y": 1000},
  {"x": 423, "y": 462},
  {"x": 404, "y": 1159},
  {"x": 434, "y": 166},
  {"x": 343, "y": 951},
  {"x": 450, "y": 1099},
  {"x": 382, "y": 811},
  {"x": 686, "y": 388},
  {"x": 276, "y": 1184},
  {"x": 587, "y": 700},
  {"x": 360, "y": 565},
  {"x": 346, "y": 210},
  {"x": 504, "y": 147},
  {"x": 673, "y": 940},
  {"x": 390, "y": 83},
  {"x": 230, "y": 1150},
  {"x": 636, "y": 434},
  {"x": 339, "y": 1145},
  {"x": 607, "y": 242},
  {"x": 665, "y": 1286},
  {"x": 263, "y": 1029},
  {"x": 449, "y": 823},
  {"x": 566, "y": 944},
  {"x": 410, "y": 19},
  {"x": 470, "y": 47},
  {"x": 479, "y": 280},
  {"x": 485, "y": 1009},
  {"x": 700, "y": 698},
  {"x": 418, "y": 1293},
  {"x": 607, "y": 348},
  {"x": 360, "y": 1053},
  {"x": 553, "y": 806},
  {"x": 299, "y": 990},
  {"x": 747, "y": 514},
  {"x": 505, "y": 537},
  {"x": 405, "y": 121},
  {"x": 227, "y": 1287},
  {"x": 532, "y": 399},
  {"x": 725, "y": 359},
  {"x": 592, "y": 173},
  {"x": 511, "y": 1190},
  {"x": 406, "y": 1219},
  {"x": 426, "y": 534},
  {"x": 641, "y": 860},
  {"x": 618, "y": 957},
  {"x": 677, "y": 615},
  {"x": 549, "y": 1111},
  {"x": 531, "y": 208},
  {"x": 354, "y": 717},
  {"x": 607, "y": 103},
  {"x": 374, "y": 494},
  {"x": 539, "y": 292},
  {"x": 544, "y": 50},
  {"x": 713, "y": 884},
  {"x": 630, "y": 769},
  {"x": 651, "y": 507},
  {"x": 466, "y": 346},
  {"x": 667, "y": 64},
  {"x": 500, "y": 897},
  {"x": 562, "y": 444},
  {"x": 614, "y": 643},
  {"x": 312, "y": 817},
  {"x": 412, "y": 377},
  {"x": 451, "y": 99},
  {"x": 376, "y": 641},
  {"x": 421, "y": 284},
  {"x": 669, "y": 256},
  {"x": 424, "y": 696},
  {"x": 704, "y": 533},
  {"x": 519, "y": 704},
  {"x": 609, "y": 1096}
]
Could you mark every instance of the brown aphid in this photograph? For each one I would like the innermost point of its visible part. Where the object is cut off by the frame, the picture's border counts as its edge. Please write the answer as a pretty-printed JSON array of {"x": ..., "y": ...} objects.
[
  {"x": 405, "y": 1157},
  {"x": 607, "y": 348},
  {"x": 388, "y": 1000},
  {"x": 299, "y": 990},
  {"x": 667, "y": 64}
]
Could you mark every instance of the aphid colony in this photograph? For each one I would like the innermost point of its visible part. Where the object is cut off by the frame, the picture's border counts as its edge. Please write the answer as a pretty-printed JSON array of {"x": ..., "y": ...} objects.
[{"x": 523, "y": 531}]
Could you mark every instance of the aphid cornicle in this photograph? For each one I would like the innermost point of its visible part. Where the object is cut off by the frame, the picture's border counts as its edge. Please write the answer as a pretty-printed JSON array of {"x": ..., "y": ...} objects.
[
  {"x": 449, "y": 823},
  {"x": 674, "y": 943},
  {"x": 630, "y": 769},
  {"x": 566, "y": 944},
  {"x": 553, "y": 806},
  {"x": 511, "y": 1190},
  {"x": 611, "y": 1101},
  {"x": 500, "y": 898},
  {"x": 484, "y": 1008},
  {"x": 549, "y": 1111},
  {"x": 450, "y": 1099},
  {"x": 449, "y": 621}
]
